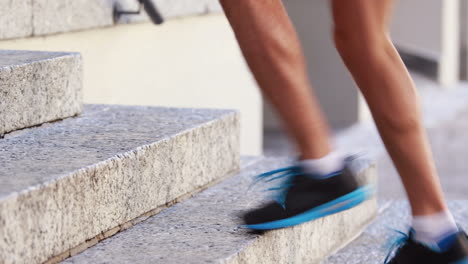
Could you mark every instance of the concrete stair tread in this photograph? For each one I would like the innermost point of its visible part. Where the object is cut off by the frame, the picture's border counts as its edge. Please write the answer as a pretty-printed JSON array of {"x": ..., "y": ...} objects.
[
  {"x": 204, "y": 229},
  {"x": 16, "y": 58},
  {"x": 38, "y": 87},
  {"x": 372, "y": 246},
  {"x": 70, "y": 181},
  {"x": 103, "y": 132}
]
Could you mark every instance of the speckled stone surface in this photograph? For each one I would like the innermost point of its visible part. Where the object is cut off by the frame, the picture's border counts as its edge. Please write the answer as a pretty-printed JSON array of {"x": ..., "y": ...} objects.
[
  {"x": 372, "y": 246},
  {"x": 54, "y": 16},
  {"x": 15, "y": 18},
  {"x": 171, "y": 8},
  {"x": 204, "y": 229},
  {"x": 43, "y": 17},
  {"x": 66, "y": 182},
  {"x": 38, "y": 87}
]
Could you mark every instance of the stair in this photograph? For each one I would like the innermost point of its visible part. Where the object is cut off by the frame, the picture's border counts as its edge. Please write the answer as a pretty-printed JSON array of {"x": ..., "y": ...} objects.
[
  {"x": 69, "y": 183},
  {"x": 375, "y": 242},
  {"x": 204, "y": 229},
  {"x": 114, "y": 184},
  {"x": 38, "y": 87}
]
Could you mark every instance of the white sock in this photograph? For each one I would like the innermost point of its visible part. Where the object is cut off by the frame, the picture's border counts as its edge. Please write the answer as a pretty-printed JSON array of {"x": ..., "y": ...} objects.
[
  {"x": 323, "y": 167},
  {"x": 432, "y": 230}
]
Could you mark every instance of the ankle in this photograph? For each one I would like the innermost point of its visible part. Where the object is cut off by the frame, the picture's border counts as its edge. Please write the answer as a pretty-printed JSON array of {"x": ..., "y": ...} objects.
[
  {"x": 331, "y": 163},
  {"x": 435, "y": 230},
  {"x": 308, "y": 152}
]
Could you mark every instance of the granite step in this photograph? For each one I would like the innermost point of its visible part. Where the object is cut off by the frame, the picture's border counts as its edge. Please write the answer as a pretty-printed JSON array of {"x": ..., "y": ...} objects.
[
  {"x": 69, "y": 183},
  {"x": 205, "y": 229},
  {"x": 375, "y": 242},
  {"x": 38, "y": 87}
]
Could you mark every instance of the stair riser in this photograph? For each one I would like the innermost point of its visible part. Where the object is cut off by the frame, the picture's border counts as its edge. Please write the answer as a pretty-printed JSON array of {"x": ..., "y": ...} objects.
[
  {"x": 312, "y": 242},
  {"x": 205, "y": 228},
  {"x": 41, "y": 90},
  {"x": 309, "y": 243},
  {"x": 48, "y": 221}
]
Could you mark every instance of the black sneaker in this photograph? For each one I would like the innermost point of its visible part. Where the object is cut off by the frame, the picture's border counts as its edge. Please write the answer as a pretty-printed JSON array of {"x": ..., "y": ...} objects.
[
  {"x": 301, "y": 198},
  {"x": 412, "y": 252}
]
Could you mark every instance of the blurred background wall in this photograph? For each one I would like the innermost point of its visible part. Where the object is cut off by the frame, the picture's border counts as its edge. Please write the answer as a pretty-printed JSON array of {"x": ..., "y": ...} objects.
[{"x": 193, "y": 60}]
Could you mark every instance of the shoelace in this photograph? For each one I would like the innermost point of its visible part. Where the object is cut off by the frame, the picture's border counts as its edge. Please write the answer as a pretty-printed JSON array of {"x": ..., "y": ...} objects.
[
  {"x": 286, "y": 173},
  {"x": 395, "y": 244}
]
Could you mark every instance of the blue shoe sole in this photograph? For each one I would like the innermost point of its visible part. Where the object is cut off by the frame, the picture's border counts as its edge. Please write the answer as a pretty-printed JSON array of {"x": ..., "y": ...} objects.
[{"x": 342, "y": 203}]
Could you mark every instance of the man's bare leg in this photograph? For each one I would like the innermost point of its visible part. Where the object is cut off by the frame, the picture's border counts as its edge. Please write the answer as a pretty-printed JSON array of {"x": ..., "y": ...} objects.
[
  {"x": 273, "y": 52},
  {"x": 363, "y": 42},
  {"x": 320, "y": 183},
  {"x": 362, "y": 39}
]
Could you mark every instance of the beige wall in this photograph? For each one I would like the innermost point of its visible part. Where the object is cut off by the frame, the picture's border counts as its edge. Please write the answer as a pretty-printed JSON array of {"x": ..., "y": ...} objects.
[{"x": 190, "y": 62}]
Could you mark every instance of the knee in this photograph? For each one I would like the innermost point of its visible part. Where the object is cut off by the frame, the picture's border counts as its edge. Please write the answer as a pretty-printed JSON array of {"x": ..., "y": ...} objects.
[
  {"x": 226, "y": 5},
  {"x": 400, "y": 124},
  {"x": 226, "y": 2},
  {"x": 395, "y": 116},
  {"x": 229, "y": 6},
  {"x": 357, "y": 44}
]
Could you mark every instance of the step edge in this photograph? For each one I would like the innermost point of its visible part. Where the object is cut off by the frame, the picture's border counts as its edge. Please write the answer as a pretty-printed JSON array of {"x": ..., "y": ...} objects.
[
  {"x": 371, "y": 173},
  {"x": 55, "y": 55},
  {"x": 126, "y": 154}
]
